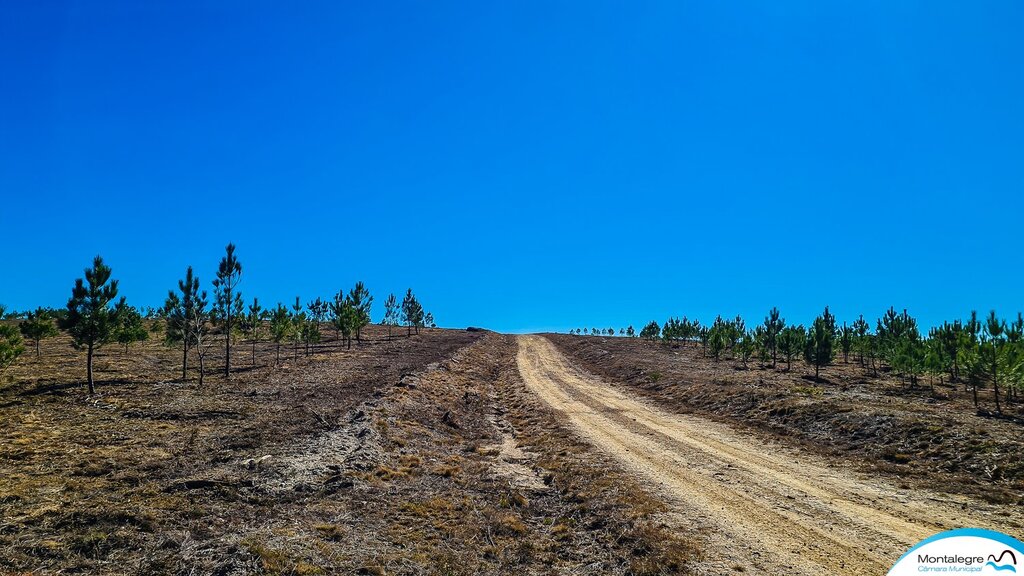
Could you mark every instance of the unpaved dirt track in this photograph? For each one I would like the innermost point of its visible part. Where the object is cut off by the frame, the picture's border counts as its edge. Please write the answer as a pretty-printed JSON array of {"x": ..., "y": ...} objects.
[{"x": 762, "y": 507}]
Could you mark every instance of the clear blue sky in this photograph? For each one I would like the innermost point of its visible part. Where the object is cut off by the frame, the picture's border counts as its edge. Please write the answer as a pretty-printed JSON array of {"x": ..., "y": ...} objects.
[{"x": 523, "y": 165}]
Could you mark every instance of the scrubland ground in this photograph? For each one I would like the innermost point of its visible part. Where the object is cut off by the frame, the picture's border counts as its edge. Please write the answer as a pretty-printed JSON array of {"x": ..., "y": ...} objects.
[
  {"x": 456, "y": 452},
  {"x": 421, "y": 455}
]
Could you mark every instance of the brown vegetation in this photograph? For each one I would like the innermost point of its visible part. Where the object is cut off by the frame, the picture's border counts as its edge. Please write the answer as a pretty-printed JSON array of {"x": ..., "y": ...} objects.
[{"x": 393, "y": 457}]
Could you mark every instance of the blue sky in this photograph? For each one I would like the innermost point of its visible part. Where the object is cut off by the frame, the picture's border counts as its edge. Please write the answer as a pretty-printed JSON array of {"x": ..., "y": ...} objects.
[{"x": 526, "y": 165}]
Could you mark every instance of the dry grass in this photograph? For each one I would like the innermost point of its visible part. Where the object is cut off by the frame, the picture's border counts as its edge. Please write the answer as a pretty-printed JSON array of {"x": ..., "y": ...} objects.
[
  {"x": 385, "y": 459},
  {"x": 150, "y": 475},
  {"x": 463, "y": 508}
]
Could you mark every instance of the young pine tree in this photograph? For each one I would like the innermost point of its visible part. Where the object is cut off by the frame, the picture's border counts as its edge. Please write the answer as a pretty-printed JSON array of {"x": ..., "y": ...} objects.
[
  {"x": 703, "y": 336},
  {"x": 651, "y": 331},
  {"x": 995, "y": 338},
  {"x": 948, "y": 339},
  {"x": 280, "y": 328},
  {"x": 318, "y": 311},
  {"x": 1013, "y": 358},
  {"x": 745, "y": 347},
  {"x": 199, "y": 332},
  {"x": 718, "y": 340},
  {"x": 791, "y": 343},
  {"x": 227, "y": 299},
  {"x": 762, "y": 346},
  {"x": 412, "y": 312},
  {"x": 937, "y": 359},
  {"x": 418, "y": 315},
  {"x": 362, "y": 302},
  {"x": 343, "y": 317},
  {"x": 90, "y": 318},
  {"x": 818, "y": 349},
  {"x": 37, "y": 326},
  {"x": 310, "y": 333},
  {"x": 846, "y": 337},
  {"x": 335, "y": 317},
  {"x": 934, "y": 359},
  {"x": 773, "y": 325},
  {"x": 861, "y": 338},
  {"x": 252, "y": 325},
  {"x": 298, "y": 319},
  {"x": 10, "y": 343},
  {"x": 390, "y": 313},
  {"x": 130, "y": 327},
  {"x": 179, "y": 312},
  {"x": 909, "y": 358}
]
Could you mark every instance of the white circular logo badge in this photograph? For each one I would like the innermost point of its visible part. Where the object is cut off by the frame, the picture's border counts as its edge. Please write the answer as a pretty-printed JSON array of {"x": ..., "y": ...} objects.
[{"x": 966, "y": 551}]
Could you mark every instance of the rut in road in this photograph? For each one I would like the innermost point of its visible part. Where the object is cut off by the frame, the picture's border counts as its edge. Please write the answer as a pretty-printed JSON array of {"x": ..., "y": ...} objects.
[{"x": 764, "y": 507}]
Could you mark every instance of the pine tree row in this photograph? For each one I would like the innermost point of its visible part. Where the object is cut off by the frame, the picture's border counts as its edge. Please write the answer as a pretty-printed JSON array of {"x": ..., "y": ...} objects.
[
  {"x": 195, "y": 323},
  {"x": 978, "y": 354}
]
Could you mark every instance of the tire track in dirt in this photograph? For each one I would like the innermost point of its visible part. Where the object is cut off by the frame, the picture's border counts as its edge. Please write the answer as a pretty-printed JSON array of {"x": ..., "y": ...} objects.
[{"x": 764, "y": 507}]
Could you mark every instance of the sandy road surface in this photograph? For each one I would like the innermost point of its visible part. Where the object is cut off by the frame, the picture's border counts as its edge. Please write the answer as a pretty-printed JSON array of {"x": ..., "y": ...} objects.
[{"x": 763, "y": 507}]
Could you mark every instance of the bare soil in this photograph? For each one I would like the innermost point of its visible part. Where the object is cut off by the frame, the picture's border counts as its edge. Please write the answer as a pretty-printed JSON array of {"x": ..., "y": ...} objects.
[{"x": 930, "y": 436}]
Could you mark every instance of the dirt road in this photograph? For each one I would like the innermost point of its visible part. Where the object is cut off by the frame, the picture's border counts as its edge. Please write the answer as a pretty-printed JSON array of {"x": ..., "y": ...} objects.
[{"x": 763, "y": 508}]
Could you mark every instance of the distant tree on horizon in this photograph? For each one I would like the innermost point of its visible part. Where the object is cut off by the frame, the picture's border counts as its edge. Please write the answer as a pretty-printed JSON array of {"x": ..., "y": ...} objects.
[{"x": 90, "y": 319}]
